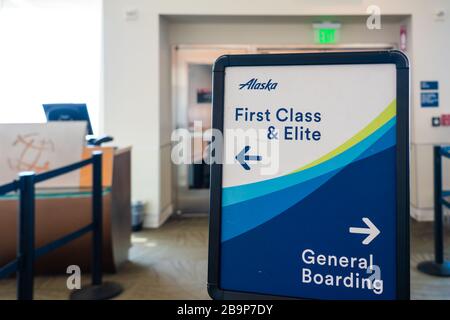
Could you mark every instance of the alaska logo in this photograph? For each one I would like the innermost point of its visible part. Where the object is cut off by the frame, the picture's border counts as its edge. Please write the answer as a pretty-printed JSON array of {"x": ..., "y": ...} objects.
[{"x": 254, "y": 84}]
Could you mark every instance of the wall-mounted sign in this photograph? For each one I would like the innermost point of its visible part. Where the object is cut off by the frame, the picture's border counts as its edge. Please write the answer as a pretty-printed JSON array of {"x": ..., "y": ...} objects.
[
  {"x": 429, "y": 99},
  {"x": 429, "y": 85},
  {"x": 204, "y": 95},
  {"x": 331, "y": 220}
]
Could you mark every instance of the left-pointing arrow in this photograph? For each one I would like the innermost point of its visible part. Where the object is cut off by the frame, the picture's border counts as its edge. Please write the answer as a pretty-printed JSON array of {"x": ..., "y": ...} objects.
[
  {"x": 372, "y": 231},
  {"x": 242, "y": 158}
]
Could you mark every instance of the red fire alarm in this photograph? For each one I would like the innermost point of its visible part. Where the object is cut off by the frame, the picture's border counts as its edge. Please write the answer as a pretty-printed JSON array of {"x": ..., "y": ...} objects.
[{"x": 403, "y": 38}]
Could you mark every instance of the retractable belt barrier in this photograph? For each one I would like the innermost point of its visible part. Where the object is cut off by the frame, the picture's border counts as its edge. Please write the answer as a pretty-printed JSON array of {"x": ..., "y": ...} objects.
[
  {"x": 439, "y": 267},
  {"x": 26, "y": 251}
]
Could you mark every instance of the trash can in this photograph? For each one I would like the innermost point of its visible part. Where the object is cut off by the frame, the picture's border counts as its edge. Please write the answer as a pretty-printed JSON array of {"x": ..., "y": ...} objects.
[{"x": 137, "y": 215}]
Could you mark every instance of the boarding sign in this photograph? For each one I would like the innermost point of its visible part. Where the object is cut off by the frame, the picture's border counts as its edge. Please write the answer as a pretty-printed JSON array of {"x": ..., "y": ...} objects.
[{"x": 311, "y": 197}]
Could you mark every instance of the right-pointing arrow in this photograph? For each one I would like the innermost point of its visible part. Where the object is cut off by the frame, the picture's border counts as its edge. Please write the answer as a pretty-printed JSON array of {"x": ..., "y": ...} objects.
[{"x": 372, "y": 231}]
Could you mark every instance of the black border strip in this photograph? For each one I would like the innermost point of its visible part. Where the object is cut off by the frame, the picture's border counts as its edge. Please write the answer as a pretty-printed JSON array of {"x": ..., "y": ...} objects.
[{"x": 333, "y": 58}]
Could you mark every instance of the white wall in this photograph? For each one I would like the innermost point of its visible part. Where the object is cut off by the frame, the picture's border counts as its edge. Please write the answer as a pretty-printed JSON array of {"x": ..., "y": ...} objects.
[
  {"x": 136, "y": 53},
  {"x": 274, "y": 30},
  {"x": 131, "y": 93},
  {"x": 165, "y": 126}
]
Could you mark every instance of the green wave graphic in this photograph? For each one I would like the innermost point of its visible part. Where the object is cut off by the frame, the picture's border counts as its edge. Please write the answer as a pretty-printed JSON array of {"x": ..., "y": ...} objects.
[{"x": 377, "y": 123}]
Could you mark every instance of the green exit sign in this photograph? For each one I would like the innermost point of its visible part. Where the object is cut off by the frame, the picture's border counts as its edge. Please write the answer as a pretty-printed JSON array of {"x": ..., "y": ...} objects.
[
  {"x": 326, "y": 36},
  {"x": 326, "y": 33}
]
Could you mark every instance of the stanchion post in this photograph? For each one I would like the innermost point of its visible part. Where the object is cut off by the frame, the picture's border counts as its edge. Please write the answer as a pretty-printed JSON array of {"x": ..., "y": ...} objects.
[
  {"x": 439, "y": 267},
  {"x": 25, "y": 243},
  {"x": 97, "y": 218},
  {"x": 99, "y": 290},
  {"x": 438, "y": 219}
]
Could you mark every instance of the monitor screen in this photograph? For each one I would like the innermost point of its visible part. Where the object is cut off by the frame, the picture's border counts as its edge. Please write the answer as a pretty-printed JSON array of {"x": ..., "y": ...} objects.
[{"x": 68, "y": 112}]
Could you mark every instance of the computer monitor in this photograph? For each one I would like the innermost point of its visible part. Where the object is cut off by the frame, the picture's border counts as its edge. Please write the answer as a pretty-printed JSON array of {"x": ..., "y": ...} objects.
[{"x": 68, "y": 112}]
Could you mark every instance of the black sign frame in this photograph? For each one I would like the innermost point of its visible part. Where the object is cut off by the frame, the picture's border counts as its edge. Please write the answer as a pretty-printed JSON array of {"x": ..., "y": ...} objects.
[{"x": 402, "y": 154}]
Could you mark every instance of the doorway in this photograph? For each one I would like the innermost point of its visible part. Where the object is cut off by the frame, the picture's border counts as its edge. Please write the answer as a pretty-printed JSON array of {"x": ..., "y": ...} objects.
[{"x": 192, "y": 105}]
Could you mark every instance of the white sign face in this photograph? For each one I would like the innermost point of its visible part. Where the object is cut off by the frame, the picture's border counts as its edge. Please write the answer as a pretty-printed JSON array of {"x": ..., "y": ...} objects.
[
  {"x": 338, "y": 109},
  {"x": 41, "y": 147},
  {"x": 309, "y": 181}
]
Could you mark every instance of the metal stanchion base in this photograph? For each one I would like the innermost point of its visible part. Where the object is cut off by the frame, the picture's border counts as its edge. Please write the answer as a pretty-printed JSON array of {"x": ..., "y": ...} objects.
[
  {"x": 106, "y": 290},
  {"x": 435, "y": 269}
]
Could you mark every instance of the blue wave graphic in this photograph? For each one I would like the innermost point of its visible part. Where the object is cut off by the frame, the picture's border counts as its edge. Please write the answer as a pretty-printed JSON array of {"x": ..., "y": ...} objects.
[
  {"x": 246, "y": 215},
  {"x": 236, "y": 194},
  {"x": 268, "y": 260}
]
